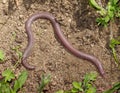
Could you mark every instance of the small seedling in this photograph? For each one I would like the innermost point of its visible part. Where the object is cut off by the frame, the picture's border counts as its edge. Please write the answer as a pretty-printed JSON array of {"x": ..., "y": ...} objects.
[
  {"x": 114, "y": 89},
  {"x": 86, "y": 86},
  {"x": 10, "y": 83},
  {"x": 8, "y": 75},
  {"x": 18, "y": 53},
  {"x": 113, "y": 44},
  {"x": 44, "y": 81},
  {"x": 16, "y": 49},
  {"x": 2, "y": 56}
]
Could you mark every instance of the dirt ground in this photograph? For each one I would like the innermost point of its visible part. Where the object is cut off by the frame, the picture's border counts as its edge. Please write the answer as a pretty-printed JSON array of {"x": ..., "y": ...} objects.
[{"x": 77, "y": 21}]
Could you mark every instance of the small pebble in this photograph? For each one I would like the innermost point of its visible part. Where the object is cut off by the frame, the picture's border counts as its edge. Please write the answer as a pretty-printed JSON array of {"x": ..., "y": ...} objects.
[
  {"x": 4, "y": 1},
  {"x": 21, "y": 16},
  {"x": 92, "y": 45},
  {"x": 69, "y": 20},
  {"x": 69, "y": 36}
]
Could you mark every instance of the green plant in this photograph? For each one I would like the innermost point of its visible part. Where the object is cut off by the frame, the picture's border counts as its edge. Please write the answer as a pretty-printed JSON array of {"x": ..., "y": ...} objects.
[
  {"x": 2, "y": 56},
  {"x": 44, "y": 81},
  {"x": 86, "y": 86},
  {"x": 18, "y": 53},
  {"x": 10, "y": 83},
  {"x": 115, "y": 88},
  {"x": 112, "y": 45},
  {"x": 107, "y": 14},
  {"x": 16, "y": 49}
]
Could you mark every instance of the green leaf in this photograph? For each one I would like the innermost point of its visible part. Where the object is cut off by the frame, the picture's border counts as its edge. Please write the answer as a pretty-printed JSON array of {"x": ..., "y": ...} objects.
[
  {"x": 91, "y": 90},
  {"x": 118, "y": 12},
  {"x": 21, "y": 80},
  {"x": 16, "y": 49},
  {"x": 111, "y": 10},
  {"x": 8, "y": 74},
  {"x": 60, "y": 91},
  {"x": 114, "y": 88},
  {"x": 103, "y": 12},
  {"x": 101, "y": 21},
  {"x": 114, "y": 2},
  {"x": 107, "y": 19},
  {"x": 2, "y": 56},
  {"x": 74, "y": 90},
  {"x": 76, "y": 85},
  {"x": 114, "y": 42},
  {"x": 95, "y": 5},
  {"x": 112, "y": 45},
  {"x": 88, "y": 78},
  {"x": 44, "y": 81},
  {"x": 5, "y": 88},
  {"x": 99, "y": 9}
]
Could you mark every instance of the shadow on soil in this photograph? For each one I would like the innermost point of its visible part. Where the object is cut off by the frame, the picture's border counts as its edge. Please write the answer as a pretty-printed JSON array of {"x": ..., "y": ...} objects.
[{"x": 84, "y": 17}]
